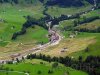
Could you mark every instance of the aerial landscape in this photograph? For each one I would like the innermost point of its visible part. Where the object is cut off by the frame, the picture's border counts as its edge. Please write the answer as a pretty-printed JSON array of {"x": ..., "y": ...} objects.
[{"x": 49, "y": 37}]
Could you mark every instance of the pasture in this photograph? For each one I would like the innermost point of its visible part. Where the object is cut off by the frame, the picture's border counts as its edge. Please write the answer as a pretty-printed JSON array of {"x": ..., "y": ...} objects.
[
  {"x": 58, "y": 11},
  {"x": 11, "y": 20},
  {"x": 34, "y": 67}
]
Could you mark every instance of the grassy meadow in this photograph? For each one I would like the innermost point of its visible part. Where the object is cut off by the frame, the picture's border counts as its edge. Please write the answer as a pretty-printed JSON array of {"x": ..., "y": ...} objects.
[
  {"x": 57, "y": 11},
  {"x": 14, "y": 15},
  {"x": 13, "y": 19},
  {"x": 34, "y": 66}
]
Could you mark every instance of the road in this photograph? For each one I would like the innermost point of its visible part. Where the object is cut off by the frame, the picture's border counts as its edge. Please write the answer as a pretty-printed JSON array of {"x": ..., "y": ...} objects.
[
  {"x": 40, "y": 47},
  {"x": 34, "y": 50}
]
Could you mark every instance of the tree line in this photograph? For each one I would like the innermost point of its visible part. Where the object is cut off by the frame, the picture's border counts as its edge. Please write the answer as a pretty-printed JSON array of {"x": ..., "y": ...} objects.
[
  {"x": 17, "y": 1},
  {"x": 68, "y": 3},
  {"x": 78, "y": 22},
  {"x": 41, "y": 22},
  {"x": 90, "y": 19},
  {"x": 91, "y": 64},
  {"x": 54, "y": 21},
  {"x": 62, "y": 3},
  {"x": 97, "y": 30},
  {"x": 30, "y": 22}
]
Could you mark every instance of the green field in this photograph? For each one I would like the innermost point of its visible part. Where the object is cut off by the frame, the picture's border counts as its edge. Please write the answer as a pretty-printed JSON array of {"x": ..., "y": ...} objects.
[
  {"x": 92, "y": 13},
  {"x": 13, "y": 21},
  {"x": 33, "y": 66},
  {"x": 34, "y": 34},
  {"x": 10, "y": 73},
  {"x": 57, "y": 11}
]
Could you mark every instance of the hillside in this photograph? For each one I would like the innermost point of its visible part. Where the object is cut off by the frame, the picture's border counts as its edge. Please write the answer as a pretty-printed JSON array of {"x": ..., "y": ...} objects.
[
  {"x": 60, "y": 31},
  {"x": 37, "y": 67},
  {"x": 62, "y": 3},
  {"x": 21, "y": 30}
]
